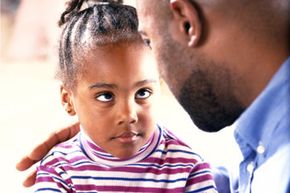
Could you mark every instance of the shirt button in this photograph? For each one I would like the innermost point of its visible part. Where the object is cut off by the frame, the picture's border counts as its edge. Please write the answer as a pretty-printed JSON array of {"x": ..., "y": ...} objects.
[
  {"x": 250, "y": 167},
  {"x": 260, "y": 149}
]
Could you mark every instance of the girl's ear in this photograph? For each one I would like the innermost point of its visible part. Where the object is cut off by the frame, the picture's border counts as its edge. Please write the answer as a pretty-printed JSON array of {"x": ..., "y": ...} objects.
[
  {"x": 188, "y": 21},
  {"x": 66, "y": 100}
]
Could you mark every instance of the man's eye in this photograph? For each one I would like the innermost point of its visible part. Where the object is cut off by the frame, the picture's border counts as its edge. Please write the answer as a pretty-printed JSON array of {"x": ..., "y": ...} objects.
[
  {"x": 147, "y": 42},
  {"x": 143, "y": 94},
  {"x": 105, "y": 97}
]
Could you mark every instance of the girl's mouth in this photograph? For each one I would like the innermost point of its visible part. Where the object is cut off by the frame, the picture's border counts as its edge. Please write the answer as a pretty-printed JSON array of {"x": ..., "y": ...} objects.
[{"x": 127, "y": 137}]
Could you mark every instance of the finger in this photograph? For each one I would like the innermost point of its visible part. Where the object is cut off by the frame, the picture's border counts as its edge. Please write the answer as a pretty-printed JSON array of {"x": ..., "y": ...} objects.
[
  {"x": 30, "y": 180},
  {"x": 29, "y": 160},
  {"x": 36, "y": 154},
  {"x": 24, "y": 163},
  {"x": 42, "y": 149},
  {"x": 67, "y": 133},
  {"x": 75, "y": 129}
]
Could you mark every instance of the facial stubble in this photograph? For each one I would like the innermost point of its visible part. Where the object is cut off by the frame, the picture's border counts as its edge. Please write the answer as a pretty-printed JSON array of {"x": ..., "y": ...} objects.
[{"x": 207, "y": 94}]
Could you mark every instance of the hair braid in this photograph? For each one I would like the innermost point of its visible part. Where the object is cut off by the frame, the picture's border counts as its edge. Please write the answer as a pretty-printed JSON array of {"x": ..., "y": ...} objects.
[{"x": 102, "y": 22}]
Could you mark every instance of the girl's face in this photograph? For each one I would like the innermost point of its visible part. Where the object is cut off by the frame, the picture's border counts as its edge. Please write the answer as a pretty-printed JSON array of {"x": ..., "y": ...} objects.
[{"x": 114, "y": 97}]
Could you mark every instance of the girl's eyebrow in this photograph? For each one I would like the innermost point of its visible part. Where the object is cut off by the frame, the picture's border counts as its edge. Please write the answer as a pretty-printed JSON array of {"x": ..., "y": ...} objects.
[
  {"x": 102, "y": 85},
  {"x": 112, "y": 86}
]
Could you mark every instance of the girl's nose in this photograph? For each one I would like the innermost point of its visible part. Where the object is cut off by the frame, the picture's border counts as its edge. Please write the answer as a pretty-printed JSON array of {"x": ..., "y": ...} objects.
[{"x": 127, "y": 113}]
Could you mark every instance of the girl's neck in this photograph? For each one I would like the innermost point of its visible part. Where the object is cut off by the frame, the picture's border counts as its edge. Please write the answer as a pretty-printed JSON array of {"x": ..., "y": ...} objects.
[{"x": 97, "y": 154}]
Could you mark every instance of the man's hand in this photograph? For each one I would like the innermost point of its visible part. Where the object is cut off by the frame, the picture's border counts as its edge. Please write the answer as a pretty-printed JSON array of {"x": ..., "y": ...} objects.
[{"x": 43, "y": 148}]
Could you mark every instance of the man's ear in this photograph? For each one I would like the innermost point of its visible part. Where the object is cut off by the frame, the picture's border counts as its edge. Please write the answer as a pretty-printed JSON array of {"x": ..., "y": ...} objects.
[
  {"x": 66, "y": 100},
  {"x": 187, "y": 15}
]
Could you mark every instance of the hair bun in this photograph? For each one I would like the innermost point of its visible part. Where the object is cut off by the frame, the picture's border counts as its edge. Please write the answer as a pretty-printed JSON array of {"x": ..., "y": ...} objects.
[
  {"x": 74, "y": 6},
  {"x": 96, "y": 2}
]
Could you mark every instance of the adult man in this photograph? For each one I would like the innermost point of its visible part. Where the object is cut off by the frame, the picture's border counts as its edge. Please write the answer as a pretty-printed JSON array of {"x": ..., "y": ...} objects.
[
  {"x": 232, "y": 56},
  {"x": 228, "y": 61}
]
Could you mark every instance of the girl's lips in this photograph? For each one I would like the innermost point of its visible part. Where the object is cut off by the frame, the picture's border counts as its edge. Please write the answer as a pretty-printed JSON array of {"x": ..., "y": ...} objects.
[{"x": 127, "y": 137}]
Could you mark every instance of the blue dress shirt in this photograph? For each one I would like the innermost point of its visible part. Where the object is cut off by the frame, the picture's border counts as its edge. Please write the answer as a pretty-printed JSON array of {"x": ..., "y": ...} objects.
[{"x": 263, "y": 135}]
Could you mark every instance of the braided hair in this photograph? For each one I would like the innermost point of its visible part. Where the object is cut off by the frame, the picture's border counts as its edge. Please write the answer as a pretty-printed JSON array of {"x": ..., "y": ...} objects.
[{"x": 102, "y": 22}]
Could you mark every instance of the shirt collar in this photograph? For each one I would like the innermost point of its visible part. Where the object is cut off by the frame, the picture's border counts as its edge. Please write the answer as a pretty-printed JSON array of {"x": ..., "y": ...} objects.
[
  {"x": 97, "y": 154},
  {"x": 258, "y": 122}
]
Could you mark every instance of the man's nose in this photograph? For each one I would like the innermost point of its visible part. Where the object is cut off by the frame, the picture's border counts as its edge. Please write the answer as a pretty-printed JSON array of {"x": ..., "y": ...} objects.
[{"x": 127, "y": 112}]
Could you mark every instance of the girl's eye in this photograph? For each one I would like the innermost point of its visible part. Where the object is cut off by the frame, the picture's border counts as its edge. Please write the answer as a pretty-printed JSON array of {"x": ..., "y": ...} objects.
[
  {"x": 143, "y": 94},
  {"x": 105, "y": 97}
]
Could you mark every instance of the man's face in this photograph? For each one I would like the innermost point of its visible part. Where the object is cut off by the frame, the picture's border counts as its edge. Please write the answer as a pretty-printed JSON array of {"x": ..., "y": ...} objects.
[{"x": 202, "y": 86}]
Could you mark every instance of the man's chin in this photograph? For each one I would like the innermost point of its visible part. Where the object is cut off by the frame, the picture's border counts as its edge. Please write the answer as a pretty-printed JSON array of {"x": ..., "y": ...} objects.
[
  {"x": 211, "y": 128},
  {"x": 208, "y": 116},
  {"x": 214, "y": 122}
]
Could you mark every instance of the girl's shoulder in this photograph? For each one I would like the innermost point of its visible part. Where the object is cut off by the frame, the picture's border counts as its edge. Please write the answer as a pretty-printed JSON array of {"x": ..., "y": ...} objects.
[
  {"x": 63, "y": 153},
  {"x": 174, "y": 147}
]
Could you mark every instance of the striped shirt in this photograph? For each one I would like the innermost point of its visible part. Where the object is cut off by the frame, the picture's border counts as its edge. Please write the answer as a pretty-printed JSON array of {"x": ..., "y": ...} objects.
[{"x": 164, "y": 164}]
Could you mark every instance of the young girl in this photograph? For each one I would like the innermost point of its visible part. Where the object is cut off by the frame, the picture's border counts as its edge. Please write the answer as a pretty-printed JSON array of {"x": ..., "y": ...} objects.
[{"x": 111, "y": 84}]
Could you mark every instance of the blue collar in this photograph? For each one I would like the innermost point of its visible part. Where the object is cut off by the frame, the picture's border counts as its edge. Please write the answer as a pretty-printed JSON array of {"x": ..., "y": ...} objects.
[{"x": 256, "y": 125}]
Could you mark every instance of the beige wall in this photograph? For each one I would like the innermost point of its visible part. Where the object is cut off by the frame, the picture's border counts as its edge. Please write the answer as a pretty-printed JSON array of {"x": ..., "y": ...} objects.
[{"x": 130, "y": 2}]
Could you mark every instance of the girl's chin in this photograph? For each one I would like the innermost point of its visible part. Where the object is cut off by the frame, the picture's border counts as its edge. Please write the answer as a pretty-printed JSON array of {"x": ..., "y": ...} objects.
[{"x": 126, "y": 153}]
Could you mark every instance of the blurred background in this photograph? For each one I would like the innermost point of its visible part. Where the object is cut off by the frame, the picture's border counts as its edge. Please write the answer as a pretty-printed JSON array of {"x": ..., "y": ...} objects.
[{"x": 30, "y": 107}]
